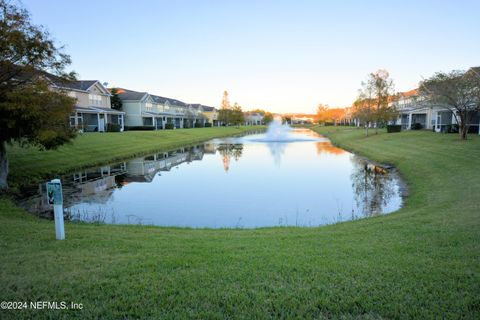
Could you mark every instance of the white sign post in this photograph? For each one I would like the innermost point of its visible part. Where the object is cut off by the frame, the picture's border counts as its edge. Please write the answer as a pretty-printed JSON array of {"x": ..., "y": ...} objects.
[{"x": 55, "y": 197}]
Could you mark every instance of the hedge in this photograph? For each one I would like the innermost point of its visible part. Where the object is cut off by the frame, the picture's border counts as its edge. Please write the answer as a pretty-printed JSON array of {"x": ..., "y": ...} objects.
[
  {"x": 139, "y": 128},
  {"x": 394, "y": 128}
]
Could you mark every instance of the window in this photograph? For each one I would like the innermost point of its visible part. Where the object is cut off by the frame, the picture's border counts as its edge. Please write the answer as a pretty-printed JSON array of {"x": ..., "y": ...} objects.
[
  {"x": 148, "y": 105},
  {"x": 95, "y": 99},
  {"x": 79, "y": 118}
]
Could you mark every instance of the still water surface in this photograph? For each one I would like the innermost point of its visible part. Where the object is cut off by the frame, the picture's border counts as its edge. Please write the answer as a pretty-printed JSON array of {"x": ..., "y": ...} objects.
[{"x": 237, "y": 182}]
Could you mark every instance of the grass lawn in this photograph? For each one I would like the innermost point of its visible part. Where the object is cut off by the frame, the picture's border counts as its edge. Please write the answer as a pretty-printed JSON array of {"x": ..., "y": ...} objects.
[{"x": 420, "y": 262}]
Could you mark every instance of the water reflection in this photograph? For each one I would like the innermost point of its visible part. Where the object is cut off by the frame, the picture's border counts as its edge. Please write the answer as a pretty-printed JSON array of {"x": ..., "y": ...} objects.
[
  {"x": 229, "y": 150},
  {"x": 327, "y": 147},
  {"x": 373, "y": 186},
  {"x": 304, "y": 183},
  {"x": 277, "y": 149}
]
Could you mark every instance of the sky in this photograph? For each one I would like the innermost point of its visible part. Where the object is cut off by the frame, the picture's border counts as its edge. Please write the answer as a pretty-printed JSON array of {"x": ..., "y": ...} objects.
[{"x": 282, "y": 56}]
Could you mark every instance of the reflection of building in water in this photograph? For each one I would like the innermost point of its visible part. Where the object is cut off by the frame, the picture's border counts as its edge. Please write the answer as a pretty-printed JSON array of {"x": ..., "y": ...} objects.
[
  {"x": 144, "y": 169},
  {"x": 96, "y": 183},
  {"x": 327, "y": 147},
  {"x": 229, "y": 150},
  {"x": 373, "y": 187},
  {"x": 210, "y": 148}
]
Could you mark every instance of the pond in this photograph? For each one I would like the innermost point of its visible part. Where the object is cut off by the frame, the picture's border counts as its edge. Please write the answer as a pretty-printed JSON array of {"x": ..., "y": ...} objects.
[{"x": 285, "y": 177}]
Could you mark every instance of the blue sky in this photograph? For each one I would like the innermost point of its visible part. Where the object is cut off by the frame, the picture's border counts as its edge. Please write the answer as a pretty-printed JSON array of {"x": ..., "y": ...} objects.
[{"x": 285, "y": 56}]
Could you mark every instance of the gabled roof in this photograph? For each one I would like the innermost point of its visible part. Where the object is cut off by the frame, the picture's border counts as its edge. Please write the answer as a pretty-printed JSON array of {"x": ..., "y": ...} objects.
[
  {"x": 407, "y": 94},
  {"x": 176, "y": 102},
  {"x": 475, "y": 70},
  {"x": 204, "y": 107},
  {"x": 83, "y": 85},
  {"x": 173, "y": 102},
  {"x": 163, "y": 100},
  {"x": 126, "y": 94},
  {"x": 158, "y": 99},
  {"x": 207, "y": 108},
  {"x": 78, "y": 85}
]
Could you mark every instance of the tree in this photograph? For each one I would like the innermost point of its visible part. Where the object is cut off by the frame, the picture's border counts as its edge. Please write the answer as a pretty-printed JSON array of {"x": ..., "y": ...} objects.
[
  {"x": 30, "y": 112},
  {"x": 383, "y": 90},
  {"x": 322, "y": 113},
  {"x": 326, "y": 114},
  {"x": 268, "y": 117},
  {"x": 363, "y": 111},
  {"x": 237, "y": 116},
  {"x": 455, "y": 91},
  {"x": 225, "y": 111},
  {"x": 372, "y": 105},
  {"x": 115, "y": 100}
]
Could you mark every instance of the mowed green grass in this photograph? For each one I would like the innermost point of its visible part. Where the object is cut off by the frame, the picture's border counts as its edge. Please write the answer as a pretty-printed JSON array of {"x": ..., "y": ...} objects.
[
  {"x": 420, "y": 262},
  {"x": 91, "y": 149}
]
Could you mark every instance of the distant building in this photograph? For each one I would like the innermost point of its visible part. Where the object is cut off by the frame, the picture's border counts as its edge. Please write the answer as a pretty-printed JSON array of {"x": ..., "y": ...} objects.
[
  {"x": 254, "y": 118},
  {"x": 211, "y": 114},
  {"x": 302, "y": 119},
  {"x": 147, "y": 110}
]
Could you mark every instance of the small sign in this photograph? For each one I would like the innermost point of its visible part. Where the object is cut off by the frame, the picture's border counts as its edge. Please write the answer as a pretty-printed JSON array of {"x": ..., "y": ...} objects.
[{"x": 54, "y": 193}]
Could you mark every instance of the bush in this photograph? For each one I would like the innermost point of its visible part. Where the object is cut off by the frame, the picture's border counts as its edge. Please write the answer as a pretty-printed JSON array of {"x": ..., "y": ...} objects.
[
  {"x": 394, "y": 128},
  {"x": 451, "y": 128},
  {"x": 198, "y": 125},
  {"x": 139, "y": 128},
  {"x": 169, "y": 126},
  {"x": 328, "y": 124},
  {"x": 113, "y": 127},
  {"x": 208, "y": 125},
  {"x": 417, "y": 126}
]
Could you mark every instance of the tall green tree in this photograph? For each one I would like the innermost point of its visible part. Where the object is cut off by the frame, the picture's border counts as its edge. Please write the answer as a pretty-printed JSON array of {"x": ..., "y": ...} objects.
[
  {"x": 237, "y": 116},
  {"x": 30, "y": 112},
  {"x": 268, "y": 117},
  {"x": 383, "y": 90},
  {"x": 225, "y": 112},
  {"x": 455, "y": 91},
  {"x": 115, "y": 100}
]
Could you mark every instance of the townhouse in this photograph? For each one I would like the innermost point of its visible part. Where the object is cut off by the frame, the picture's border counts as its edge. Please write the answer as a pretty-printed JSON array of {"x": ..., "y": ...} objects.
[
  {"x": 210, "y": 114},
  {"x": 148, "y": 111},
  {"x": 93, "y": 111},
  {"x": 414, "y": 113},
  {"x": 254, "y": 118}
]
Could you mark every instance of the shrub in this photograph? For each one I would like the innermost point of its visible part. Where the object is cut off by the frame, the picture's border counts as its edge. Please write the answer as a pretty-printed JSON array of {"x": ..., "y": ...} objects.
[
  {"x": 198, "y": 125},
  {"x": 139, "y": 128},
  {"x": 451, "y": 128},
  {"x": 417, "y": 126},
  {"x": 394, "y": 128},
  {"x": 169, "y": 126},
  {"x": 113, "y": 127},
  {"x": 208, "y": 125},
  {"x": 328, "y": 124}
]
